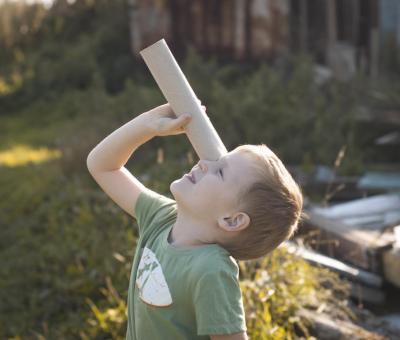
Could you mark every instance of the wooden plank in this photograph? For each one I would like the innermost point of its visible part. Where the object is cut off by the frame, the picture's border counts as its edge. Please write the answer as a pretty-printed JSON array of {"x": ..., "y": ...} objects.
[
  {"x": 345, "y": 270},
  {"x": 355, "y": 21},
  {"x": 365, "y": 294},
  {"x": 324, "y": 326},
  {"x": 303, "y": 25},
  {"x": 260, "y": 26},
  {"x": 331, "y": 29},
  {"x": 374, "y": 38},
  {"x": 374, "y": 52},
  {"x": 240, "y": 27},
  {"x": 391, "y": 266},
  {"x": 365, "y": 238},
  {"x": 134, "y": 27},
  {"x": 377, "y": 221},
  {"x": 227, "y": 26},
  {"x": 197, "y": 22},
  {"x": 344, "y": 242},
  {"x": 213, "y": 19},
  {"x": 379, "y": 180},
  {"x": 377, "y": 204},
  {"x": 204, "y": 26}
]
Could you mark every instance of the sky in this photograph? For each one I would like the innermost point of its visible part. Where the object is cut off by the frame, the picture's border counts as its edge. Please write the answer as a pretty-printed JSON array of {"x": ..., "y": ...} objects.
[{"x": 46, "y": 2}]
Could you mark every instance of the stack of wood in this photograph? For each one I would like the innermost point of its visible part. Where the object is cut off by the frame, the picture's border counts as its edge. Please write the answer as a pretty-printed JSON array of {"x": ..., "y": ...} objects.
[{"x": 358, "y": 239}]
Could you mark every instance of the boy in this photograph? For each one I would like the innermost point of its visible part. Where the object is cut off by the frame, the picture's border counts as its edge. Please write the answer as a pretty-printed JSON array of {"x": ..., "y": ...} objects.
[{"x": 184, "y": 281}]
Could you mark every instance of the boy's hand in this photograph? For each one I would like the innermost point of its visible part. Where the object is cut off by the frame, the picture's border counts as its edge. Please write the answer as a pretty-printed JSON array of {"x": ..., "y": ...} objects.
[{"x": 164, "y": 121}]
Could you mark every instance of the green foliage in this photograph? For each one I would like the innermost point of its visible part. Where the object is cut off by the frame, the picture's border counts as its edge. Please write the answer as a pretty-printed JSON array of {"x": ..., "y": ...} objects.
[
  {"x": 62, "y": 49},
  {"x": 277, "y": 286},
  {"x": 61, "y": 240}
]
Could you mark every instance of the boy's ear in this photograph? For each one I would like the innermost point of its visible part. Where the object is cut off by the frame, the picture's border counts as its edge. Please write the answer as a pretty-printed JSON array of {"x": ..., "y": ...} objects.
[{"x": 235, "y": 222}]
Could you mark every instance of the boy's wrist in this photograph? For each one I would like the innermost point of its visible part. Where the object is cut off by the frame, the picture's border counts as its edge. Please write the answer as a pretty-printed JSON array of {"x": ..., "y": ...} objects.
[
  {"x": 147, "y": 124},
  {"x": 162, "y": 121}
]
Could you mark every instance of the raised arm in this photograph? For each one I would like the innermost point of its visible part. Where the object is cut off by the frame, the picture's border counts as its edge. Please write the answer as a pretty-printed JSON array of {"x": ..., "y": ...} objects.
[{"x": 106, "y": 162}]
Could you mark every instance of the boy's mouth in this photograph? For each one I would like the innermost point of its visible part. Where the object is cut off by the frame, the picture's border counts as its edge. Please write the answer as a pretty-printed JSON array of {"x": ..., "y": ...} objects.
[{"x": 191, "y": 178}]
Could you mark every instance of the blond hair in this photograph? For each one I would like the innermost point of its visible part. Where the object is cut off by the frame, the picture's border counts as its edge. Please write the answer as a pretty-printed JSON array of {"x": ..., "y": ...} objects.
[{"x": 273, "y": 202}]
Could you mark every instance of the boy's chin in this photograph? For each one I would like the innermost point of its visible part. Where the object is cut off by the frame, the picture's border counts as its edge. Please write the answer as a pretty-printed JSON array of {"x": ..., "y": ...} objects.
[
  {"x": 174, "y": 188},
  {"x": 180, "y": 183},
  {"x": 178, "y": 190}
]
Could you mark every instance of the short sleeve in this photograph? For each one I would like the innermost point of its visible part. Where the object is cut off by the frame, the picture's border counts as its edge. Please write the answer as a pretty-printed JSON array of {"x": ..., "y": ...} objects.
[
  {"x": 218, "y": 303},
  {"x": 151, "y": 206}
]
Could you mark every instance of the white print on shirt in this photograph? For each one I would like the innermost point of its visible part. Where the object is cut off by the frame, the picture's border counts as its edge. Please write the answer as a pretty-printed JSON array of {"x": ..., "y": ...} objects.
[{"x": 150, "y": 280}]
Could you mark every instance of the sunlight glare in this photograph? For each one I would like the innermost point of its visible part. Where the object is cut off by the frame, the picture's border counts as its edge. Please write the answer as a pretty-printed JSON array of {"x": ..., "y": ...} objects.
[{"x": 23, "y": 154}]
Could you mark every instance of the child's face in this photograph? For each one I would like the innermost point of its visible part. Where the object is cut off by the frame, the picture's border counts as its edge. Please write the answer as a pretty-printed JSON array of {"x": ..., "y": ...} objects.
[{"x": 217, "y": 185}]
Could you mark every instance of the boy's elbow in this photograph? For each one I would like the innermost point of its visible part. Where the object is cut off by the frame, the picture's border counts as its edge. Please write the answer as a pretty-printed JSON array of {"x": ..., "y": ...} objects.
[{"x": 90, "y": 162}]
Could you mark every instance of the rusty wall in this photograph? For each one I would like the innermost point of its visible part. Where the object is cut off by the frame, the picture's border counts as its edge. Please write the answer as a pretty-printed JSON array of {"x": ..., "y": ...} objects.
[
  {"x": 232, "y": 29},
  {"x": 269, "y": 28},
  {"x": 149, "y": 21}
]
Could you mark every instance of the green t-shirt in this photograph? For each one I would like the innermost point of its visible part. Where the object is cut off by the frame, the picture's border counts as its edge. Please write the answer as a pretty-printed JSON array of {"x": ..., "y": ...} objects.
[{"x": 179, "y": 293}]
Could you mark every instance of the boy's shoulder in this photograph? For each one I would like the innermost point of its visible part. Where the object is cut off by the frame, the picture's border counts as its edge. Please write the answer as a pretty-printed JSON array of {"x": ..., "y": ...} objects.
[
  {"x": 217, "y": 279},
  {"x": 215, "y": 261}
]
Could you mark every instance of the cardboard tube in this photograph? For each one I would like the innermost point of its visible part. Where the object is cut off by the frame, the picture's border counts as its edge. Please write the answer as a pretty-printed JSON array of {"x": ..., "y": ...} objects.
[{"x": 180, "y": 96}]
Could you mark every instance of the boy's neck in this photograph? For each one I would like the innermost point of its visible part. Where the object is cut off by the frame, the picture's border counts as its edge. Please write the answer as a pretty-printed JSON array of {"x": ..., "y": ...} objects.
[{"x": 182, "y": 235}]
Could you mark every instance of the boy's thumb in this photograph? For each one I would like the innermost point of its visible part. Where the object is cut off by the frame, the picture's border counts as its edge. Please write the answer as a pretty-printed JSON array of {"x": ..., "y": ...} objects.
[
  {"x": 185, "y": 117},
  {"x": 180, "y": 121}
]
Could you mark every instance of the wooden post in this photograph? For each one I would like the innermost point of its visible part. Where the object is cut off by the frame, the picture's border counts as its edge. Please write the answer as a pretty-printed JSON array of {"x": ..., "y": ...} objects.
[
  {"x": 196, "y": 16},
  {"x": 331, "y": 31},
  {"x": 355, "y": 31},
  {"x": 303, "y": 25},
  {"x": 134, "y": 27},
  {"x": 149, "y": 20},
  {"x": 374, "y": 53},
  {"x": 205, "y": 23},
  {"x": 398, "y": 26},
  {"x": 356, "y": 21},
  {"x": 227, "y": 24},
  {"x": 213, "y": 26},
  {"x": 240, "y": 29},
  {"x": 374, "y": 39}
]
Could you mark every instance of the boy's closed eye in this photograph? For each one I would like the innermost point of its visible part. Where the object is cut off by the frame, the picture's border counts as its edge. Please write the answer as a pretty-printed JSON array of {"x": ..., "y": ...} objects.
[{"x": 223, "y": 164}]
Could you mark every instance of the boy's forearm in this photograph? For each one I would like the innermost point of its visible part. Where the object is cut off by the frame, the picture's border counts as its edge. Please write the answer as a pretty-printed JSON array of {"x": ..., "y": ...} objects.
[{"x": 113, "y": 152}]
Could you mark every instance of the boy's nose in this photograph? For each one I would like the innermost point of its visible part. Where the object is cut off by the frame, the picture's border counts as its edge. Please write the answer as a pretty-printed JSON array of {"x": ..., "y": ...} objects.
[{"x": 202, "y": 165}]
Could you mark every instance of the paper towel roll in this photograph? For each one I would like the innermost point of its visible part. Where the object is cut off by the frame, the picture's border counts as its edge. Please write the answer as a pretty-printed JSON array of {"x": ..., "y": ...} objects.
[{"x": 180, "y": 96}]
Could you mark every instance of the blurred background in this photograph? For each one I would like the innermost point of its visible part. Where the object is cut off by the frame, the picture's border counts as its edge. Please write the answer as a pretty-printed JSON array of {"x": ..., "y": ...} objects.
[{"x": 316, "y": 81}]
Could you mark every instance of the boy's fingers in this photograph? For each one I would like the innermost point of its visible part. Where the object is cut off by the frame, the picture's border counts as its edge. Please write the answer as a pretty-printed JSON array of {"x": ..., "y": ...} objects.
[
  {"x": 186, "y": 119},
  {"x": 200, "y": 104},
  {"x": 182, "y": 121}
]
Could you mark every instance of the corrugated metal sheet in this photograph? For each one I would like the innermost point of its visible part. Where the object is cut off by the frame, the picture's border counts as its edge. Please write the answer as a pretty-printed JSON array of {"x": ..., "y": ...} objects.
[
  {"x": 266, "y": 29},
  {"x": 269, "y": 25},
  {"x": 390, "y": 20},
  {"x": 238, "y": 29}
]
